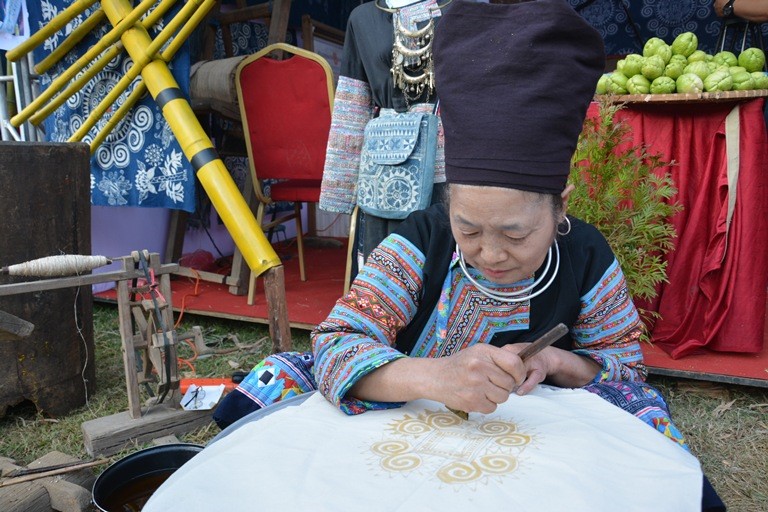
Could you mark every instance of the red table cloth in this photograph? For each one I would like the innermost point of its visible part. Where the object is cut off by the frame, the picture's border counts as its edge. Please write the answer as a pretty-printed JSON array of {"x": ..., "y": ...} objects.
[{"x": 716, "y": 295}]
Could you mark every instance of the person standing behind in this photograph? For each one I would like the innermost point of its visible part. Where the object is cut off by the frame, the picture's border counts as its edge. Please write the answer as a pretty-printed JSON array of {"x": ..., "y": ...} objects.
[{"x": 755, "y": 11}]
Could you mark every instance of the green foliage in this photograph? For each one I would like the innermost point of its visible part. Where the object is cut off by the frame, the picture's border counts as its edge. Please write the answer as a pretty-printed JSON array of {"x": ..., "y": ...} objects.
[{"x": 623, "y": 191}]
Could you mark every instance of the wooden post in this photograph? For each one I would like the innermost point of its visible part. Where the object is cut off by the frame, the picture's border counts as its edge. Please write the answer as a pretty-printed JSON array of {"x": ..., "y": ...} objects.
[
  {"x": 279, "y": 328},
  {"x": 46, "y": 211}
]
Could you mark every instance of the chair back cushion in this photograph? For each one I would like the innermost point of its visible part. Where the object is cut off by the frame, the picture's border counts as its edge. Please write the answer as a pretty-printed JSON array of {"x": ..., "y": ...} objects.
[{"x": 288, "y": 114}]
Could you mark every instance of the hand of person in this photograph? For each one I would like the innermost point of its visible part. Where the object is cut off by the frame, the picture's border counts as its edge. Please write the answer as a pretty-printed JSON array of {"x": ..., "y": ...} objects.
[
  {"x": 718, "y": 6},
  {"x": 538, "y": 367},
  {"x": 479, "y": 378}
]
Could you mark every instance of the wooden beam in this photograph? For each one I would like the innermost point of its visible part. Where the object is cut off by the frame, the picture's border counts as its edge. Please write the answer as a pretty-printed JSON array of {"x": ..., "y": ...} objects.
[
  {"x": 108, "y": 435},
  {"x": 14, "y": 328},
  {"x": 66, "y": 282}
]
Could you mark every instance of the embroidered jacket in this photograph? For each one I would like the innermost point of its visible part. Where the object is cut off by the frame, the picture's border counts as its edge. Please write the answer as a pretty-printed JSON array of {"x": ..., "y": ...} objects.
[{"x": 412, "y": 299}]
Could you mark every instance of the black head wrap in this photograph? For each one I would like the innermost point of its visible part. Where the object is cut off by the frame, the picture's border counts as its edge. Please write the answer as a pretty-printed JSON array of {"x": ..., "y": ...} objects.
[{"x": 514, "y": 82}]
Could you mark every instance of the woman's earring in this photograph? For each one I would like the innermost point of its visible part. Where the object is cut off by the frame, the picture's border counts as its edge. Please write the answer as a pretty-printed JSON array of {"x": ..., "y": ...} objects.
[{"x": 568, "y": 230}]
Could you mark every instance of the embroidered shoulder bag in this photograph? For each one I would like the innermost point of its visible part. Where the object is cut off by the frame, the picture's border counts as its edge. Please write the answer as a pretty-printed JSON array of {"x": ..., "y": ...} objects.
[{"x": 397, "y": 164}]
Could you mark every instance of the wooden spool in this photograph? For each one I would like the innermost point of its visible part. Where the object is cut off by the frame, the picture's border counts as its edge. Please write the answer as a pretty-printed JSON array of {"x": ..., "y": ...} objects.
[{"x": 45, "y": 207}]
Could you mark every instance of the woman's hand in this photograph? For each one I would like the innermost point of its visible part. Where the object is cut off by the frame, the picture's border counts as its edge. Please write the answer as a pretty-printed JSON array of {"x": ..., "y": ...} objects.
[
  {"x": 538, "y": 367},
  {"x": 562, "y": 367},
  {"x": 478, "y": 378}
]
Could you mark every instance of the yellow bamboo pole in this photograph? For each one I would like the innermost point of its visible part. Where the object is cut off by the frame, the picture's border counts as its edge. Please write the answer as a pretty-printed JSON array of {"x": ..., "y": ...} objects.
[
  {"x": 48, "y": 30},
  {"x": 157, "y": 13},
  {"x": 89, "y": 24},
  {"x": 75, "y": 85},
  {"x": 77, "y": 35},
  {"x": 103, "y": 44},
  {"x": 100, "y": 63},
  {"x": 197, "y": 147},
  {"x": 141, "y": 88},
  {"x": 186, "y": 13}
]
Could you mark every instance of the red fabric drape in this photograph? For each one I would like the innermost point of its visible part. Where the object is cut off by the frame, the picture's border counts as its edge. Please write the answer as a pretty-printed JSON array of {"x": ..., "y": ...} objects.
[{"x": 716, "y": 295}]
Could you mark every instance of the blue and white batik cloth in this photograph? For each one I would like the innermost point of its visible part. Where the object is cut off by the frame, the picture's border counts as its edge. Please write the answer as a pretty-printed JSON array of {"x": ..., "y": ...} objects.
[{"x": 140, "y": 163}]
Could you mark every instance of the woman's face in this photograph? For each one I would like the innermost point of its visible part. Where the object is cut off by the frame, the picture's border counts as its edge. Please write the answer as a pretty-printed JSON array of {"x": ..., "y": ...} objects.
[{"x": 504, "y": 233}]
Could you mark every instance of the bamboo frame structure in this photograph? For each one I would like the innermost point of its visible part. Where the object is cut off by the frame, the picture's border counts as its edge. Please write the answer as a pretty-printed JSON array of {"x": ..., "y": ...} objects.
[{"x": 130, "y": 33}]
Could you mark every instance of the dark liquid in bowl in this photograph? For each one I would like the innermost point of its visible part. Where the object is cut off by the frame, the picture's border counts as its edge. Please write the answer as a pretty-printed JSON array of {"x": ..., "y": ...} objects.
[{"x": 132, "y": 496}]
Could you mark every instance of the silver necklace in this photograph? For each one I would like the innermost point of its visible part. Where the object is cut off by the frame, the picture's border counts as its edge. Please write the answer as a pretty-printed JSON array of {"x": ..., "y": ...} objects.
[{"x": 515, "y": 296}]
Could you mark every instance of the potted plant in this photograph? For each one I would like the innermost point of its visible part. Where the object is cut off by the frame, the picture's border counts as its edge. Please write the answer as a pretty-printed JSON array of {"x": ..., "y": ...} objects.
[{"x": 624, "y": 191}]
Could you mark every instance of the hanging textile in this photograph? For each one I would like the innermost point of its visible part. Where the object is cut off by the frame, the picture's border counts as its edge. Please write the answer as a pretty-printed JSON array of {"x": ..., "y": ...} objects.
[
  {"x": 14, "y": 23},
  {"x": 716, "y": 294},
  {"x": 140, "y": 163}
]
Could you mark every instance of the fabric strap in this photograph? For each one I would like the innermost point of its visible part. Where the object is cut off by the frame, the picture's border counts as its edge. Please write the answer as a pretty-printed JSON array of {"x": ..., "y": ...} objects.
[{"x": 732, "y": 139}]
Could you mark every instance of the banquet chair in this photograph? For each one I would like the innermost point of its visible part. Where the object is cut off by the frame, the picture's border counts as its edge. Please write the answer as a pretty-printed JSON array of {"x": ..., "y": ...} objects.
[{"x": 285, "y": 106}]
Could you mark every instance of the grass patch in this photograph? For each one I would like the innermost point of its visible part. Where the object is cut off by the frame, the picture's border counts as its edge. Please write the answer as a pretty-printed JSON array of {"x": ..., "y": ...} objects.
[{"x": 726, "y": 425}]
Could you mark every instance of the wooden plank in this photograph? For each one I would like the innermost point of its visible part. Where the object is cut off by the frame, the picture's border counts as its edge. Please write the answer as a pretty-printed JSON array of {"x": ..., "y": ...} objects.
[
  {"x": 211, "y": 277},
  {"x": 702, "y": 97},
  {"x": 76, "y": 281},
  {"x": 278, "y": 25},
  {"x": 13, "y": 327},
  {"x": 32, "y": 496},
  {"x": 713, "y": 377},
  {"x": 129, "y": 352},
  {"x": 110, "y": 434},
  {"x": 176, "y": 230},
  {"x": 240, "y": 269}
]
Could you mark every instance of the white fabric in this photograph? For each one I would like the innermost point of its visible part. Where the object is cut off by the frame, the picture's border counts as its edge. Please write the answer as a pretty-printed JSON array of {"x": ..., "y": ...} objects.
[{"x": 553, "y": 450}]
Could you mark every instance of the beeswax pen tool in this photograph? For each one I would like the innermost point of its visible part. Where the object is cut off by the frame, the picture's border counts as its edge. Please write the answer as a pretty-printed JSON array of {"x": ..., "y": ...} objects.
[{"x": 531, "y": 350}]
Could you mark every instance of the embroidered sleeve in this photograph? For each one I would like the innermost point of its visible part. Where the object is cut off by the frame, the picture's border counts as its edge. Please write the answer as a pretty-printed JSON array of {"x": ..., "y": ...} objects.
[
  {"x": 360, "y": 333},
  {"x": 352, "y": 108},
  {"x": 608, "y": 329}
]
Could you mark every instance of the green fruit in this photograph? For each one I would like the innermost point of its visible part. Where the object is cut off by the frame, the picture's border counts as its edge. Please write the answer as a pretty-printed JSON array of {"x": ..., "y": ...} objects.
[
  {"x": 698, "y": 55},
  {"x": 718, "y": 81},
  {"x": 689, "y": 83},
  {"x": 663, "y": 85},
  {"x": 674, "y": 69},
  {"x": 752, "y": 59},
  {"x": 653, "y": 67},
  {"x": 761, "y": 79},
  {"x": 620, "y": 66},
  {"x": 743, "y": 81},
  {"x": 678, "y": 58},
  {"x": 602, "y": 85},
  {"x": 652, "y": 46},
  {"x": 685, "y": 44},
  {"x": 736, "y": 69},
  {"x": 699, "y": 68},
  {"x": 638, "y": 84},
  {"x": 661, "y": 49},
  {"x": 616, "y": 83},
  {"x": 633, "y": 63},
  {"x": 727, "y": 58}
]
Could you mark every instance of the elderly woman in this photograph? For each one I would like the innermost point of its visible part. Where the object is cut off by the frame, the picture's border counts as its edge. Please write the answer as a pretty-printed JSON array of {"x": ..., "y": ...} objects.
[{"x": 444, "y": 305}]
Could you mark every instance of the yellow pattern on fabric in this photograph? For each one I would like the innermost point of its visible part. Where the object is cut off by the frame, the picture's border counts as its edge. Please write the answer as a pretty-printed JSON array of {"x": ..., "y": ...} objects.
[{"x": 456, "y": 451}]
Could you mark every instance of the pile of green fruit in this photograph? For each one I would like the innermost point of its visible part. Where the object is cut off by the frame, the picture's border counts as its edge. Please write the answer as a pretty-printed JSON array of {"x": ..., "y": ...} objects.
[{"x": 682, "y": 68}]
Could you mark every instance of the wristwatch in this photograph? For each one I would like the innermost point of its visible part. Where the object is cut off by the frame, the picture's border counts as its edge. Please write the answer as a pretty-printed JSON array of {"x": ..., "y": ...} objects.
[{"x": 728, "y": 9}]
